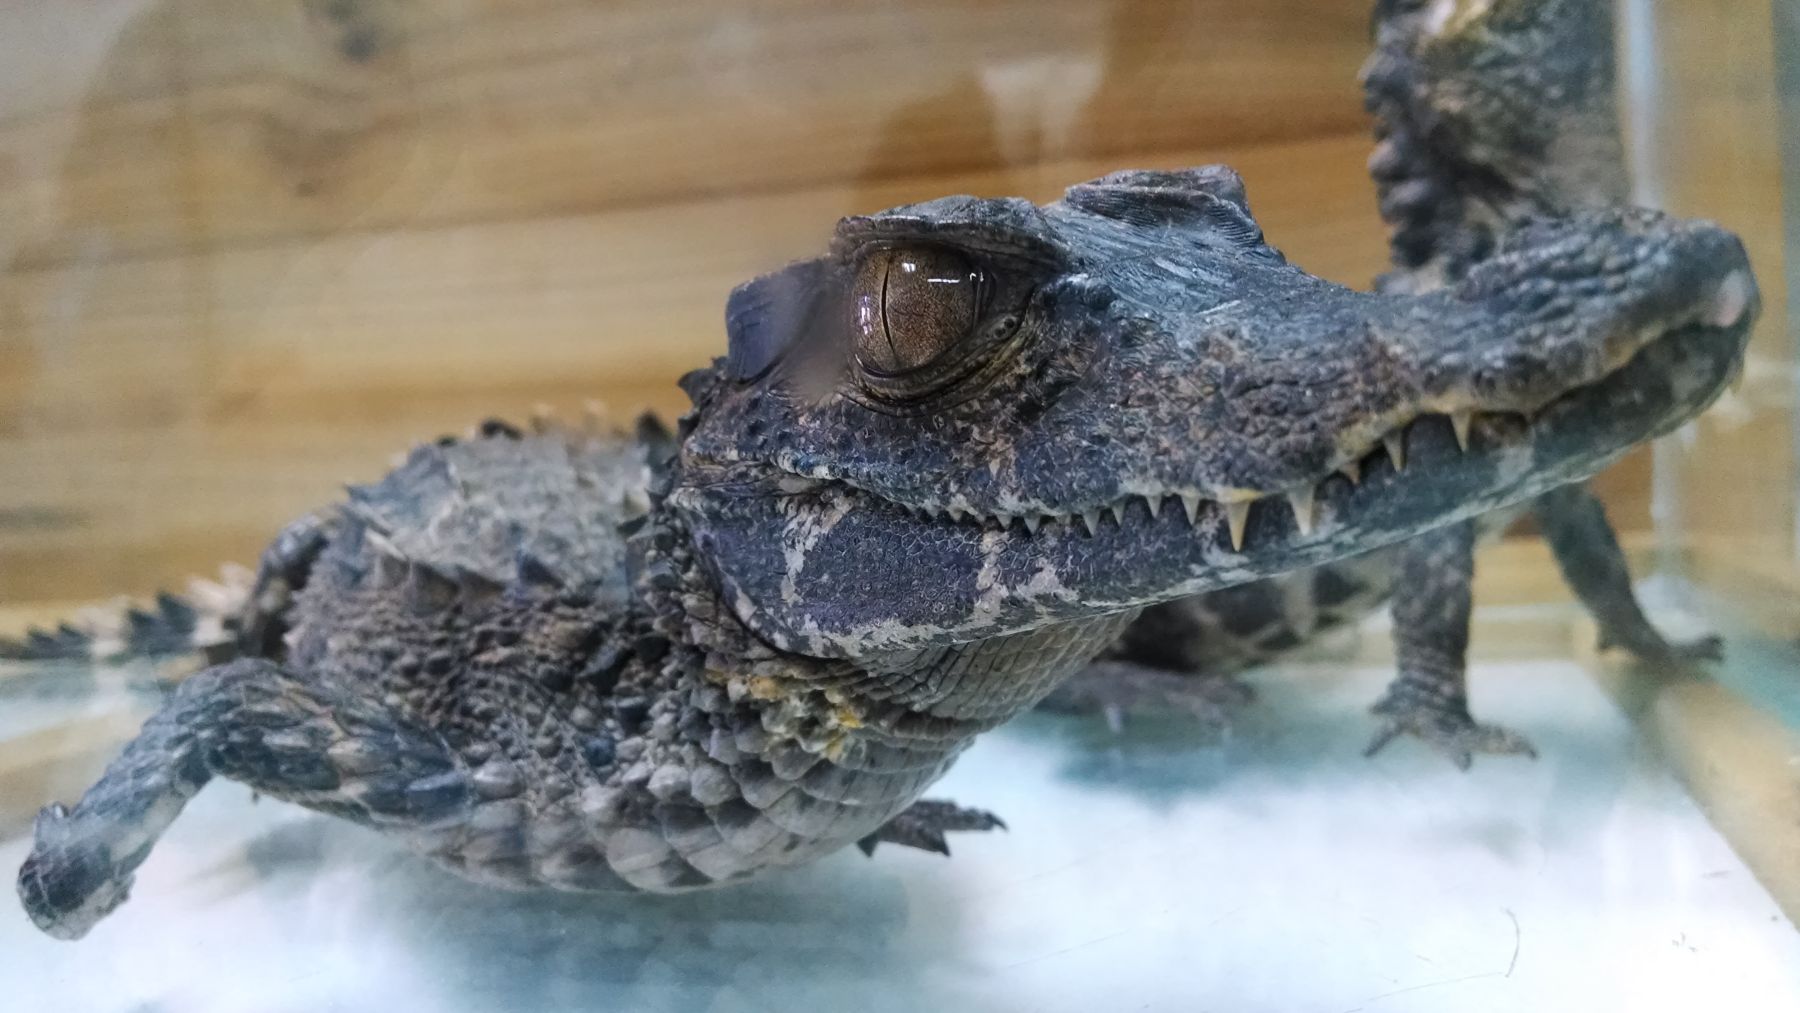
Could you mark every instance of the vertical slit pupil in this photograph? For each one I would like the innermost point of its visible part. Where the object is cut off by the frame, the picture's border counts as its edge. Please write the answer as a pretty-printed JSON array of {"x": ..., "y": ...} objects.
[{"x": 913, "y": 305}]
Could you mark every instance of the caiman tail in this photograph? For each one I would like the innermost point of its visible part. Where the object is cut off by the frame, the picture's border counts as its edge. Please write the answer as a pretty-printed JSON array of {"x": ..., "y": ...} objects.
[{"x": 200, "y": 623}]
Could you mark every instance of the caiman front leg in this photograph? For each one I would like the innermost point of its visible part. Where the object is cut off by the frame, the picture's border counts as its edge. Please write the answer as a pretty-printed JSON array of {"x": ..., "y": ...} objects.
[
  {"x": 1588, "y": 553},
  {"x": 1429, "y": 698},
  {"x": 253, "y": 722}
]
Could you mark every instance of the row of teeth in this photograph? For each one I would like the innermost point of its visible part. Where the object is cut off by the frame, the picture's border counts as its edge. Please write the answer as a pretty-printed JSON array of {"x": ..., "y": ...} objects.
[
  {"x": 1237, "y": 514},
  {"x": 1236, "y": 506}
]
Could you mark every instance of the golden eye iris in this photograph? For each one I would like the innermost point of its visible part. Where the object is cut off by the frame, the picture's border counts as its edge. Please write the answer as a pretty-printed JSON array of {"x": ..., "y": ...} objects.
[{"x": 911, "y": 306}]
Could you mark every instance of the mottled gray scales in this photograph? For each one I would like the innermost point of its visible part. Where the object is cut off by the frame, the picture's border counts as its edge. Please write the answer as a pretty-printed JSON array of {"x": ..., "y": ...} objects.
[
  {"x": 595, "y": 661},
  {"x": 1488, "y": 118},
  {"x": 1429, "y": 698}
]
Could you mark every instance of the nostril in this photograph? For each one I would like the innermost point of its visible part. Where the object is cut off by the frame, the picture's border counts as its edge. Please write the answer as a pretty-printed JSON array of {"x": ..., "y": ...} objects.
[{"x": 1731, "y": 300}]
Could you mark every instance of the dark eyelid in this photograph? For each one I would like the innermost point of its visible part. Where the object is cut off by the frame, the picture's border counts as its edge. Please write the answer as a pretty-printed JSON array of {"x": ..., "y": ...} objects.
[
  {"x": 990, "y": 256},
  {"x": 1010, "y": 228}
]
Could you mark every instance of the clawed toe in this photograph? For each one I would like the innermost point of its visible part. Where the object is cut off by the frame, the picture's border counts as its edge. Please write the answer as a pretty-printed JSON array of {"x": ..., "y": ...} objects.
[
  {"x": 66, "y": 885},
  {"x": 1707, "y": 648},
  {"x": 1451, "y": 732},
  {"x": 924, "y": 824},
  {"x": 1685, "y": 652}
]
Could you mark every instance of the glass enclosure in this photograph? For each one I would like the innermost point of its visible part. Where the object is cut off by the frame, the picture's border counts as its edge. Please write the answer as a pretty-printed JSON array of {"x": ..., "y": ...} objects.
[{"x": 251, "y": 250}]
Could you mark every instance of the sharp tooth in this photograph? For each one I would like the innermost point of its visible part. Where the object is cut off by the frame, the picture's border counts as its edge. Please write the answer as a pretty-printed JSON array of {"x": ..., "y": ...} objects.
[
  {"x": 956, "y": 514},
  {"x": 1031, "y": 523},
  {"x": 1395, "y": 442},
  {"x": 1352, "y": 471},
  {"x": 1237, "y": 514},
  {"x": 1190, "y": 502},
  {"x": 1301, "y": 500},
  {"x": 1154, "y": 501},
  {"x": 1092, "y": 519},
  {"x": 1118, "y": 512},
  {"x": 1005, "y": 520},
  {"x": 1460, "y": 421}
]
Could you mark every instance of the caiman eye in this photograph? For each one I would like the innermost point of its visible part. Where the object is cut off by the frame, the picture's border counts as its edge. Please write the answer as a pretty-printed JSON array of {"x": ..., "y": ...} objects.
[{"x": 910, "y": 306}]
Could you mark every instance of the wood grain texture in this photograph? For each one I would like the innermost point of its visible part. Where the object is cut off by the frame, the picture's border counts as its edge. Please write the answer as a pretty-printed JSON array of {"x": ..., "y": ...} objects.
[
  {"x": 249, "y": 249},
  {"x": 215, "y": 122},
  {"x": 1709, "y": 128}
]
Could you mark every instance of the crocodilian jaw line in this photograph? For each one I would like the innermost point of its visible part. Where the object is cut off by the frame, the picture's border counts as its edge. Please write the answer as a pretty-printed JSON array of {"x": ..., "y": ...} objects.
[
  {"x": 1727, "y": 308},
  {"x": 1191, "y": 505},
  {"x": 1234, "y": 505}
]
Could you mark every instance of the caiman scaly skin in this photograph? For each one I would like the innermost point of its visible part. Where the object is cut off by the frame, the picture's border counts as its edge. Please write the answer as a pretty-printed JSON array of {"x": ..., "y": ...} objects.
[
  {"x": 1488, "y": 114},
  {"x": 939, "y": 468}
]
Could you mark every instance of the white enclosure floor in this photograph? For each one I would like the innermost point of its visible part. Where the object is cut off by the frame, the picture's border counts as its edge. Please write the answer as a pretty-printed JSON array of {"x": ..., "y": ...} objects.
[{"x": 1144, "y": 871}]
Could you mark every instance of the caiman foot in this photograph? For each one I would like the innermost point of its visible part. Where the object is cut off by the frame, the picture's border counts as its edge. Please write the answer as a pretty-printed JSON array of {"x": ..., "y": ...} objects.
[
  {"x": 1662, "y": 652},
  {"x": 70, "y": 881},
  {"x": 1445, "y": 726},
  {"x": 924, "y": 824},
  {"x": 1121, "y": 689}
]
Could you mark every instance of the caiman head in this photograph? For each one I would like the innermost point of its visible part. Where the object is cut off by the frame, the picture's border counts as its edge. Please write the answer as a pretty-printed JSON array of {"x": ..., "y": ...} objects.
[
  {"x": 975, "y": 417},
  {"x": 1486, "y": 112}
]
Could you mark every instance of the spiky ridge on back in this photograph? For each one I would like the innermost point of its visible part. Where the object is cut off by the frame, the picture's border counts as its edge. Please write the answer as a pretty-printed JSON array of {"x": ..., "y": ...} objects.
[{"x": 172, "y": 626}]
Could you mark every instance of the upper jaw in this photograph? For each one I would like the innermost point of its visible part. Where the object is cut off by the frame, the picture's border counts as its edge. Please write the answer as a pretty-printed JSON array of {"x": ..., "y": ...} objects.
[
  {"x": 1456, "y": 424},
  {"x": 829, "y": 570},
  {"x": 1183, "y": 437}
]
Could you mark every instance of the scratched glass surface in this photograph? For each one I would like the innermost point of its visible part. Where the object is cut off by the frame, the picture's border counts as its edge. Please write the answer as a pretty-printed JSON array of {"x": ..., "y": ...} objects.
[
  {"x": 251, "y": 248},
  {"x": 1275, "y": 870}
]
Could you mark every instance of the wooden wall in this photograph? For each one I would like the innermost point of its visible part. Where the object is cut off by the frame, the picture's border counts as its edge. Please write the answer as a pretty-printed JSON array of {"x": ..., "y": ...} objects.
[
  {"x": 1710, "y": 123},
  {"x": 250, "y": 248}
]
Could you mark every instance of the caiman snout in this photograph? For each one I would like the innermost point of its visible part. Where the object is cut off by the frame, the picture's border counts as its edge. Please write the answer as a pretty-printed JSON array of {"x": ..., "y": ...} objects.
[
  {"x": 1562, "y": 307},
  {"x": 1128, "y": 396},
  {"x": 1567, "y": 301}
]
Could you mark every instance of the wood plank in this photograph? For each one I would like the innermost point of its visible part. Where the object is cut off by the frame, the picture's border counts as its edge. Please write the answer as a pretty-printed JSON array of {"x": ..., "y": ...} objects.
[
  {"x": 1709, "y": 119},
  {"x": 129, "y": 511},
  {"x": 619, "y": 296},
  {"x": 217, "y": 122}
]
